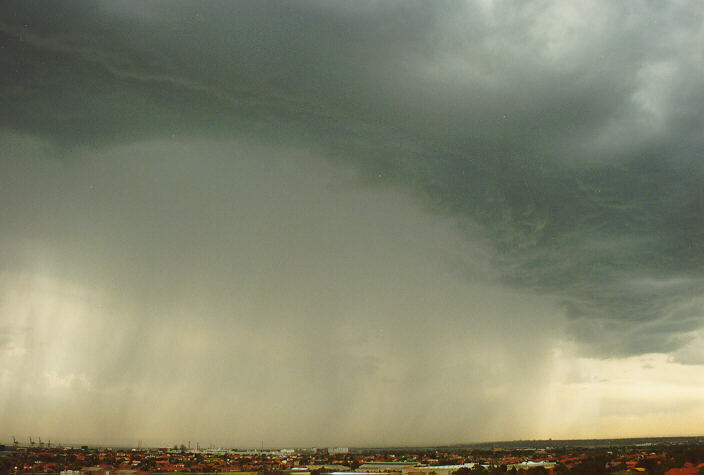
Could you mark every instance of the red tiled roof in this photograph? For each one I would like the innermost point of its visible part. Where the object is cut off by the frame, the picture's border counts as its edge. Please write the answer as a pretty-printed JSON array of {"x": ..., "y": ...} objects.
[{"x": 683, "y": 471}]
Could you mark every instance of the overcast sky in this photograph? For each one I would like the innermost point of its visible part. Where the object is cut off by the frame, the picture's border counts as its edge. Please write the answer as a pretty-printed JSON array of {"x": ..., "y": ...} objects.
[{"x": 351, "y": 222}]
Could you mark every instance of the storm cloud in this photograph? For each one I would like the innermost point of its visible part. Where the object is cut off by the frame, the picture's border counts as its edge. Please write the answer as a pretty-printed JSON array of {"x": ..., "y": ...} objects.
[{"x": 405, "y": 213}]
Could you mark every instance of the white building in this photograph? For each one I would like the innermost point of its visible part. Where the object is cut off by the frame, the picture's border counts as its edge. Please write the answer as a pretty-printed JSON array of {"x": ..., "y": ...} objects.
[{"x": 435, "y": 469}]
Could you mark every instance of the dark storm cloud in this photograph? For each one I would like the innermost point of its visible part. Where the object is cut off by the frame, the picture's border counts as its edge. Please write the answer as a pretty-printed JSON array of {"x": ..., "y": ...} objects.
[{"x": 570, "y": 134}]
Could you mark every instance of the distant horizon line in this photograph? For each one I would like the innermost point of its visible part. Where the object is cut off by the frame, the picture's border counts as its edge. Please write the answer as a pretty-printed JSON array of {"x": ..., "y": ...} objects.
[{"x": 481, "y": 444}]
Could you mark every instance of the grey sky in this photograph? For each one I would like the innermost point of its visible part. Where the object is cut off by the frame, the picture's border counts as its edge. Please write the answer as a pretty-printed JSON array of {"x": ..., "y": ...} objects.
[{"x": 344, "y": 222}]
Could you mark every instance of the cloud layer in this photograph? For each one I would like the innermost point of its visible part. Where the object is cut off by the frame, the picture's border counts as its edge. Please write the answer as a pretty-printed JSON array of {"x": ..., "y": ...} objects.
[{"x": 401, "y": 197}]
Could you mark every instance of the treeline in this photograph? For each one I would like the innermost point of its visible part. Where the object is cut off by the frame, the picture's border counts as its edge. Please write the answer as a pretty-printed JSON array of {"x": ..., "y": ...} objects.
[
  {"x": 599, "y": 464},
  {"x": 595, "y": 465}
]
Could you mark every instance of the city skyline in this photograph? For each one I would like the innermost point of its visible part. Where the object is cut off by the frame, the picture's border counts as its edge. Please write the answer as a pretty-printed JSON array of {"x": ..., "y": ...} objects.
[{"x": 351, "y": 223}]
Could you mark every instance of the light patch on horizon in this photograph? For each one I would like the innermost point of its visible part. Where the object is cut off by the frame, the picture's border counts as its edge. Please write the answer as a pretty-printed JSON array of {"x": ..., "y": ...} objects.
[{"x": 646, "y": 395}]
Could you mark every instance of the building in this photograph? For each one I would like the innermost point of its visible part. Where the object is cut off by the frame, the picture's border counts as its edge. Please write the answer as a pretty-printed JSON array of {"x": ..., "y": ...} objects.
[
  {"x": 393, "y": 468},
  {"x": 339, "y": 450},
  {"x": 435, "y": 469},
  {"x": 527, "y": 465}
]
